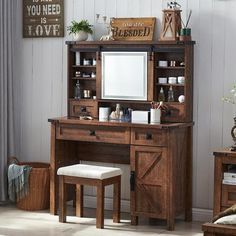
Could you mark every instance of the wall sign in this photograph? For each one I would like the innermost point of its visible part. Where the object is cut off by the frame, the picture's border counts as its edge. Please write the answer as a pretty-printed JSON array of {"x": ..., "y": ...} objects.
[
  {"x": 43, "y": 18},
  {"x": 133, "y": 28}
]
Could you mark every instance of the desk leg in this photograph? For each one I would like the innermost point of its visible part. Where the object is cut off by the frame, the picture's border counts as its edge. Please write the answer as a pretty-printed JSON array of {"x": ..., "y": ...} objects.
[
  {"x": 171, "y": 183},
  {"x": 171, "y": 224},
  {"x": 217, "y": 185},
  {"x": 188, "y": 178},
  {"x": 53, "y": 177},
  {"x": 134, "y": 218}
]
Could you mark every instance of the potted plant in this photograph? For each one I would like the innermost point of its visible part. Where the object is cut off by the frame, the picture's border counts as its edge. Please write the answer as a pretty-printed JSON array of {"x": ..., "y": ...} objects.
[{"x": 80, "y": 30}]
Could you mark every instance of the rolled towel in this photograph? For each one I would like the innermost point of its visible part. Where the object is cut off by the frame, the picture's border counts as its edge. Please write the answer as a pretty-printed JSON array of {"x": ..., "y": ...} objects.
[{"x": 18, "y": 184}]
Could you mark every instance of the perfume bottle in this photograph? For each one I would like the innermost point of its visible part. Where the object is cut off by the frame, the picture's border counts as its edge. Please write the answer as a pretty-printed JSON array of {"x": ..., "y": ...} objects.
[
  {"x": 117, "y": 111},
  {"x": 161, "y": 96},
  {"x": 171, "y": 95},
  {"x": 77, "y": 91}
]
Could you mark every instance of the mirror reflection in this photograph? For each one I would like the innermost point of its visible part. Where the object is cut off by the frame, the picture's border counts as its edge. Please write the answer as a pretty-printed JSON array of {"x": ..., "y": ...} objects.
[{"x": 124, "y": 75}]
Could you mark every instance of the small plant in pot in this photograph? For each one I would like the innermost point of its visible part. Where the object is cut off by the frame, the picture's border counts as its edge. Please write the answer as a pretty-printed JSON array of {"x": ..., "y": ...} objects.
[{"x": 80, "y": 30}]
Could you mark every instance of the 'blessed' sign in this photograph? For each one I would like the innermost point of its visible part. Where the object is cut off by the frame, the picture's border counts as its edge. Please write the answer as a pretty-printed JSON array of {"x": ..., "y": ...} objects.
[
  {"x": 133, "y": 28},
  {"x": 43, "y": 18}
]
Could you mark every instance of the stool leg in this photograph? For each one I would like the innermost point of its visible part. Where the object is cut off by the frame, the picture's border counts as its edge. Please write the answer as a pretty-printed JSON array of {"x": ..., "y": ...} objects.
[
  {"x": 79, "y": 200},
  {"x": 116, "y": 201},
  {"x": 62, "y": 199},
  {"x": 100, "y": 206},
  {"x": 134, "y": 220}
]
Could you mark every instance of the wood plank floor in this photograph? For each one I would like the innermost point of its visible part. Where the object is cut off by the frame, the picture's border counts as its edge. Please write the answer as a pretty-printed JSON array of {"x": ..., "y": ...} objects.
[{"x": 17, "y": 222}]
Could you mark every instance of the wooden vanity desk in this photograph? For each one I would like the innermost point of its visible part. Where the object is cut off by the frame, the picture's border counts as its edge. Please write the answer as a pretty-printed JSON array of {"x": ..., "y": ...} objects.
[{"x": 160, "y": 156}]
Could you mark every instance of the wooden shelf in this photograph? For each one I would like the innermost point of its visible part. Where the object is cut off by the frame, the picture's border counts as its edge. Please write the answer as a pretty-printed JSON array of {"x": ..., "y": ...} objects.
[
  {"x": 174, "y": 103},
  {"x": 82, "y": 99},
  {"x": 232, "y": 185},
  {"x": 83, "y": 78},
  {"x": 81, "y": 66},
  {"x": 171, "y": 68},
  {"x": 137, "y": 102},
  {"x": 174, "y": 85},
  {"x": 122, "y": 101}
]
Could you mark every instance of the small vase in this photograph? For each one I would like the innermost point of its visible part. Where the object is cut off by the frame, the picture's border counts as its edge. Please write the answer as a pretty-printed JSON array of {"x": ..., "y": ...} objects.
[
  {"x": 233, "y": 134},
  {"x": 80, "y": 36},
  {"x": 185, "y": 34}
]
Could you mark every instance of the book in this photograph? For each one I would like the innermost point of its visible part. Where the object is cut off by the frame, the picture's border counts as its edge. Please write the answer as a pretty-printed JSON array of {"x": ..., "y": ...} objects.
[
  {"x": 225, "y": 181},
  {"x": 230, "y": 176}
]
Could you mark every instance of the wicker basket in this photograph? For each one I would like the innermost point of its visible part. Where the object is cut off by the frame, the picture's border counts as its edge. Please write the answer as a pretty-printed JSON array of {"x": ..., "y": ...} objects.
[{"x": 38, "y": 197}]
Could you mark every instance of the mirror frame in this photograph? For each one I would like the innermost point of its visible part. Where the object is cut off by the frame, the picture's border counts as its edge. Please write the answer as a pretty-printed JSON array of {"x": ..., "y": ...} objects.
[{"x": 144, "y": 79}]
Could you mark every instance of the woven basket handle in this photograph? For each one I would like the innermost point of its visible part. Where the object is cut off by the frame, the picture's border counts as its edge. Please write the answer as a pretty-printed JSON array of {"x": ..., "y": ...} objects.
[{"x": 12, "y": 160}]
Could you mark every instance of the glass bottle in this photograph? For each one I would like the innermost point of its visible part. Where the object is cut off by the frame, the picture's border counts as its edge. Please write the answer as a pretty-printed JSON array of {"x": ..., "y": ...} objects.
[
  {"x": 171, "y": 95},
  {"x": 117, "y": 111},
  {"x": 77, "y": 91},
  {"x": 161, "y": 96}
]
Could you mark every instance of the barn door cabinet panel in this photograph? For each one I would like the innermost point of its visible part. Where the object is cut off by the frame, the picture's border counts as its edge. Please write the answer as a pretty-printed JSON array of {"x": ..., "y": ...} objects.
[
  {"x": 159, "y": 177},
  {"x": 149, "y": 165}
]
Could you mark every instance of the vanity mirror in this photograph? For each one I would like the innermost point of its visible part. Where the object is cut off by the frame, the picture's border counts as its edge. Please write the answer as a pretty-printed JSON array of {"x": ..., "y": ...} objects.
[{"x": 124, "y": 75}]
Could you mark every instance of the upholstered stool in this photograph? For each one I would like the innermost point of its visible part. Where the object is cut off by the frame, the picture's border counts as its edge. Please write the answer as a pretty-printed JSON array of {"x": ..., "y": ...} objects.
[{"x": 98, "y": 176}]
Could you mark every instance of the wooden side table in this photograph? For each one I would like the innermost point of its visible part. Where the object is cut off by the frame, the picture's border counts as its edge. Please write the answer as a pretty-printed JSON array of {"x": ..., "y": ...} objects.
[{"x": 224, "y": 194}]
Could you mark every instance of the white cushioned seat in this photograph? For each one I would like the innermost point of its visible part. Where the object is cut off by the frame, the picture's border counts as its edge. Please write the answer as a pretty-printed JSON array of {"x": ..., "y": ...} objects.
[{"x": 89, "y": 171}]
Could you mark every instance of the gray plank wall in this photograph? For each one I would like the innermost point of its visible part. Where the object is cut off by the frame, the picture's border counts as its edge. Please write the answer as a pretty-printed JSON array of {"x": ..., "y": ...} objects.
[{"x": 40, "y": 80}]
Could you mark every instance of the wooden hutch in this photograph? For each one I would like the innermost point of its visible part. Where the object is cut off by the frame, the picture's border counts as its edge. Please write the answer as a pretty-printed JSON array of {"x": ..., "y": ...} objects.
[{"x": 160, "y": 156}]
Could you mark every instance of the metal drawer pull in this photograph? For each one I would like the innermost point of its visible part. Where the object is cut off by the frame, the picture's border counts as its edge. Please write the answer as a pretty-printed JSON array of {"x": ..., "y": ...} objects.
[
  {"x": 132, "y": 181},
  {"x": 83, "y": 109},
  {"x": 148, "y": 136},
  {"x": 92, "y": 133}
]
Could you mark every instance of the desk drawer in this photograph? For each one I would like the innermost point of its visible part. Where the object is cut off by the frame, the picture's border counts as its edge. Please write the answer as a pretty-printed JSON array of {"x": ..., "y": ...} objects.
[
  {"x": 228, "y": 195},
  {"x": 92, "y": 133},
  {"x": 83, "y": 108},
  {"x": 148, "y": 137}
]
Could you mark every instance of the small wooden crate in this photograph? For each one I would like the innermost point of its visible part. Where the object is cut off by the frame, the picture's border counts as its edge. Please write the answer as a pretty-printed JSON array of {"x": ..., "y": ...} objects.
[
  {"x": 211, "y": 229},
  {"x": 38, "y": 197}
]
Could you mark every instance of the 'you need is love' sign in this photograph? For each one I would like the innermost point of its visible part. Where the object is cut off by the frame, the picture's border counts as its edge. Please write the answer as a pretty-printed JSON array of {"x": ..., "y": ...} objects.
[{"x": 43, "y": 18}]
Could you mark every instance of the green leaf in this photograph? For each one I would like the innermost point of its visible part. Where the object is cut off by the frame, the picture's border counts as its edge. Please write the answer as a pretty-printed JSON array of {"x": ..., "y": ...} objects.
[{"x": 83, "y": 25}]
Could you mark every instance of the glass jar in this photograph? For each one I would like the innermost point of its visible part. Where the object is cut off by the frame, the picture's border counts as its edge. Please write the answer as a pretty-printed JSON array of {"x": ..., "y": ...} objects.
[{"x": 77, "y": 92}]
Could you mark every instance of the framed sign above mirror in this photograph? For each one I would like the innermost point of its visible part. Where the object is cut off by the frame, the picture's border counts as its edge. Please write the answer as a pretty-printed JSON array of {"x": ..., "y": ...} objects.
[
  {"x": 124, "y": 75},
  {"x": 127, "y": 29},
  {"x": 43, "y": 18}
]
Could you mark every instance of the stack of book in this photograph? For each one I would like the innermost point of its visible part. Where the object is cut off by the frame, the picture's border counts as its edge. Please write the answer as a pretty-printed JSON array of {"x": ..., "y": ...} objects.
[{"x": 229, "y": 178}]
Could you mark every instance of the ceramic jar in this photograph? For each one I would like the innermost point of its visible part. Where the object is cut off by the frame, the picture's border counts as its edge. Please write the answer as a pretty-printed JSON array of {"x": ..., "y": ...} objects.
[{"x": 80, "y": 36}]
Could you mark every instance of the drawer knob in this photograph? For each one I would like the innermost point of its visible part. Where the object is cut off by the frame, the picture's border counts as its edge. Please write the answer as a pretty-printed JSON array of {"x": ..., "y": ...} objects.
[
  {"x": 148, "y": 136},
  {"x": 92, "y": 133}
]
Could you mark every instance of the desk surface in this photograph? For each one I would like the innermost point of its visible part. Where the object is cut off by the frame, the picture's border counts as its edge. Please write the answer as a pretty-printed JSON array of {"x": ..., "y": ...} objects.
[
  {"x": 225, "y": 152},
  {"x": 70, "y": 120}
]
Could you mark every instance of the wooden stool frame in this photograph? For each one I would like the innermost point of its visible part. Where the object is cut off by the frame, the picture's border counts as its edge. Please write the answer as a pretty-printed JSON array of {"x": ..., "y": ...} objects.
[{"x": 100, "y": 185}]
